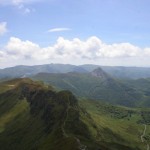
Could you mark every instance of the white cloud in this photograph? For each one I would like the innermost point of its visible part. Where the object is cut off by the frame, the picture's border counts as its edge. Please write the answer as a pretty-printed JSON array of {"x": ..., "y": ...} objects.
[
  {"x": 146, "y": 52},
  {"x": 3, "y": 28},
  {"x": 74, "y": 51},
  {"x": 59, "y": 29},
  {"x": 21, "y": 49},
  {"x": 20, "y": 5},
  {"x": 119, "y": 50}
]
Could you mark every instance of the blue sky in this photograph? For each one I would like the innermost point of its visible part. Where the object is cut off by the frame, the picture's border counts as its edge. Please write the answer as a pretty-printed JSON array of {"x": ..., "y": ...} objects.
[{"x": 97, "y": 24}]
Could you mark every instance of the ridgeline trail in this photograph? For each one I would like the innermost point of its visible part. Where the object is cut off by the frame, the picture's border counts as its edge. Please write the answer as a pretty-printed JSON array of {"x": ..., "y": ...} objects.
[
  {"x": 142, "y": 137},
  {"x": 81, "y": 146},
  {"x": 144, "y": 131}
]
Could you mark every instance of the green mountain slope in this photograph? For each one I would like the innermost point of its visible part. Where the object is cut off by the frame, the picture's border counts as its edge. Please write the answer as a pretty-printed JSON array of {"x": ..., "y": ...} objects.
[
  {"x": 119, "y": 125},
  {"x": 142, "y": 86},
  {"x": 35, "y": 117},
  {"x": 95, "y": 85}
]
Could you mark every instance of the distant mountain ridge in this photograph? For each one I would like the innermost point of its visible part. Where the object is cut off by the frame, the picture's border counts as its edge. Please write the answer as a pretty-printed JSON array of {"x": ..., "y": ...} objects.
[
  {"x": 94, "y": 85},
  {"x": 26, "y": 71},
  {"x": 117, "y": 72}
]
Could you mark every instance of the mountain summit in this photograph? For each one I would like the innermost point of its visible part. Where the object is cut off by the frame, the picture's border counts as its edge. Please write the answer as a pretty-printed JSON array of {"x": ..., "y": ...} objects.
[
  {"x": 98, "y": 72},
  {"x": 53, "y": 118}
]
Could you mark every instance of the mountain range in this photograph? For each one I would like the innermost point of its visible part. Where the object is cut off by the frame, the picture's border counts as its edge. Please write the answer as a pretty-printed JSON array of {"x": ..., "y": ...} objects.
[
  {"x": 97, "y": 85},
  {"x": 117, "y": 72}
]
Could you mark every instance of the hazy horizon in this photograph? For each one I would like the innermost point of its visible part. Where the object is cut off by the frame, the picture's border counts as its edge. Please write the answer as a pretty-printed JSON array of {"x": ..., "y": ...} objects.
[{"x": 76, "y": 65}]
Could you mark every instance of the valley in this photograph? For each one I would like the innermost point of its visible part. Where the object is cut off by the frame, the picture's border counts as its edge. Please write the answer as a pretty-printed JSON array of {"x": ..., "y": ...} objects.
[{"x": 122, "y": 120}]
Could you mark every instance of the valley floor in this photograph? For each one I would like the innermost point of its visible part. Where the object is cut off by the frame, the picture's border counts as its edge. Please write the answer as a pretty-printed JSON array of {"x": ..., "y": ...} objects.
[{"x": 117, "y": 124}]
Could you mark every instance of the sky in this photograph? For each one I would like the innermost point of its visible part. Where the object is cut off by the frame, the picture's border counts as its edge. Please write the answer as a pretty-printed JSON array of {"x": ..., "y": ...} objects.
[{"x": 102, "y": 32}]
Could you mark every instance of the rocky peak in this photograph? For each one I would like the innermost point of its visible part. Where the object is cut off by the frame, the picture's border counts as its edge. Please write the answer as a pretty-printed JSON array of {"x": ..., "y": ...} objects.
[{"x": 98, "y": 72}]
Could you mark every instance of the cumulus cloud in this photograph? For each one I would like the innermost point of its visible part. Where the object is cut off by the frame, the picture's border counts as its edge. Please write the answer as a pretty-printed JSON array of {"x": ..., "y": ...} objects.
[
  {"x": 147, "y": 52},
  {"x": 21, "y": 49},
  {"x": 3, "y": 28},
  {"x": 76, "y": 51},
  {"x": 119, "y": 50},
  {"x": 58, "y": 29}
]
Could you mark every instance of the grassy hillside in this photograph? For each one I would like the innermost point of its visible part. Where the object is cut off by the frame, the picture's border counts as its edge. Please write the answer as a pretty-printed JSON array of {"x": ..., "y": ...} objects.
[
  {"x": 34, "y": 116},
  {"x": 119, "y": 125},
  {"x": 142, "y": 86}
]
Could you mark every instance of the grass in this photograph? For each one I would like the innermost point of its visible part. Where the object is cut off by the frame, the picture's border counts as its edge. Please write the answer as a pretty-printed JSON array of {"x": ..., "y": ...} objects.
[
  {"x": 110, "y": 125},
  {"x": 36, "y": 123},
  {"x": 12, "y": 113}
]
